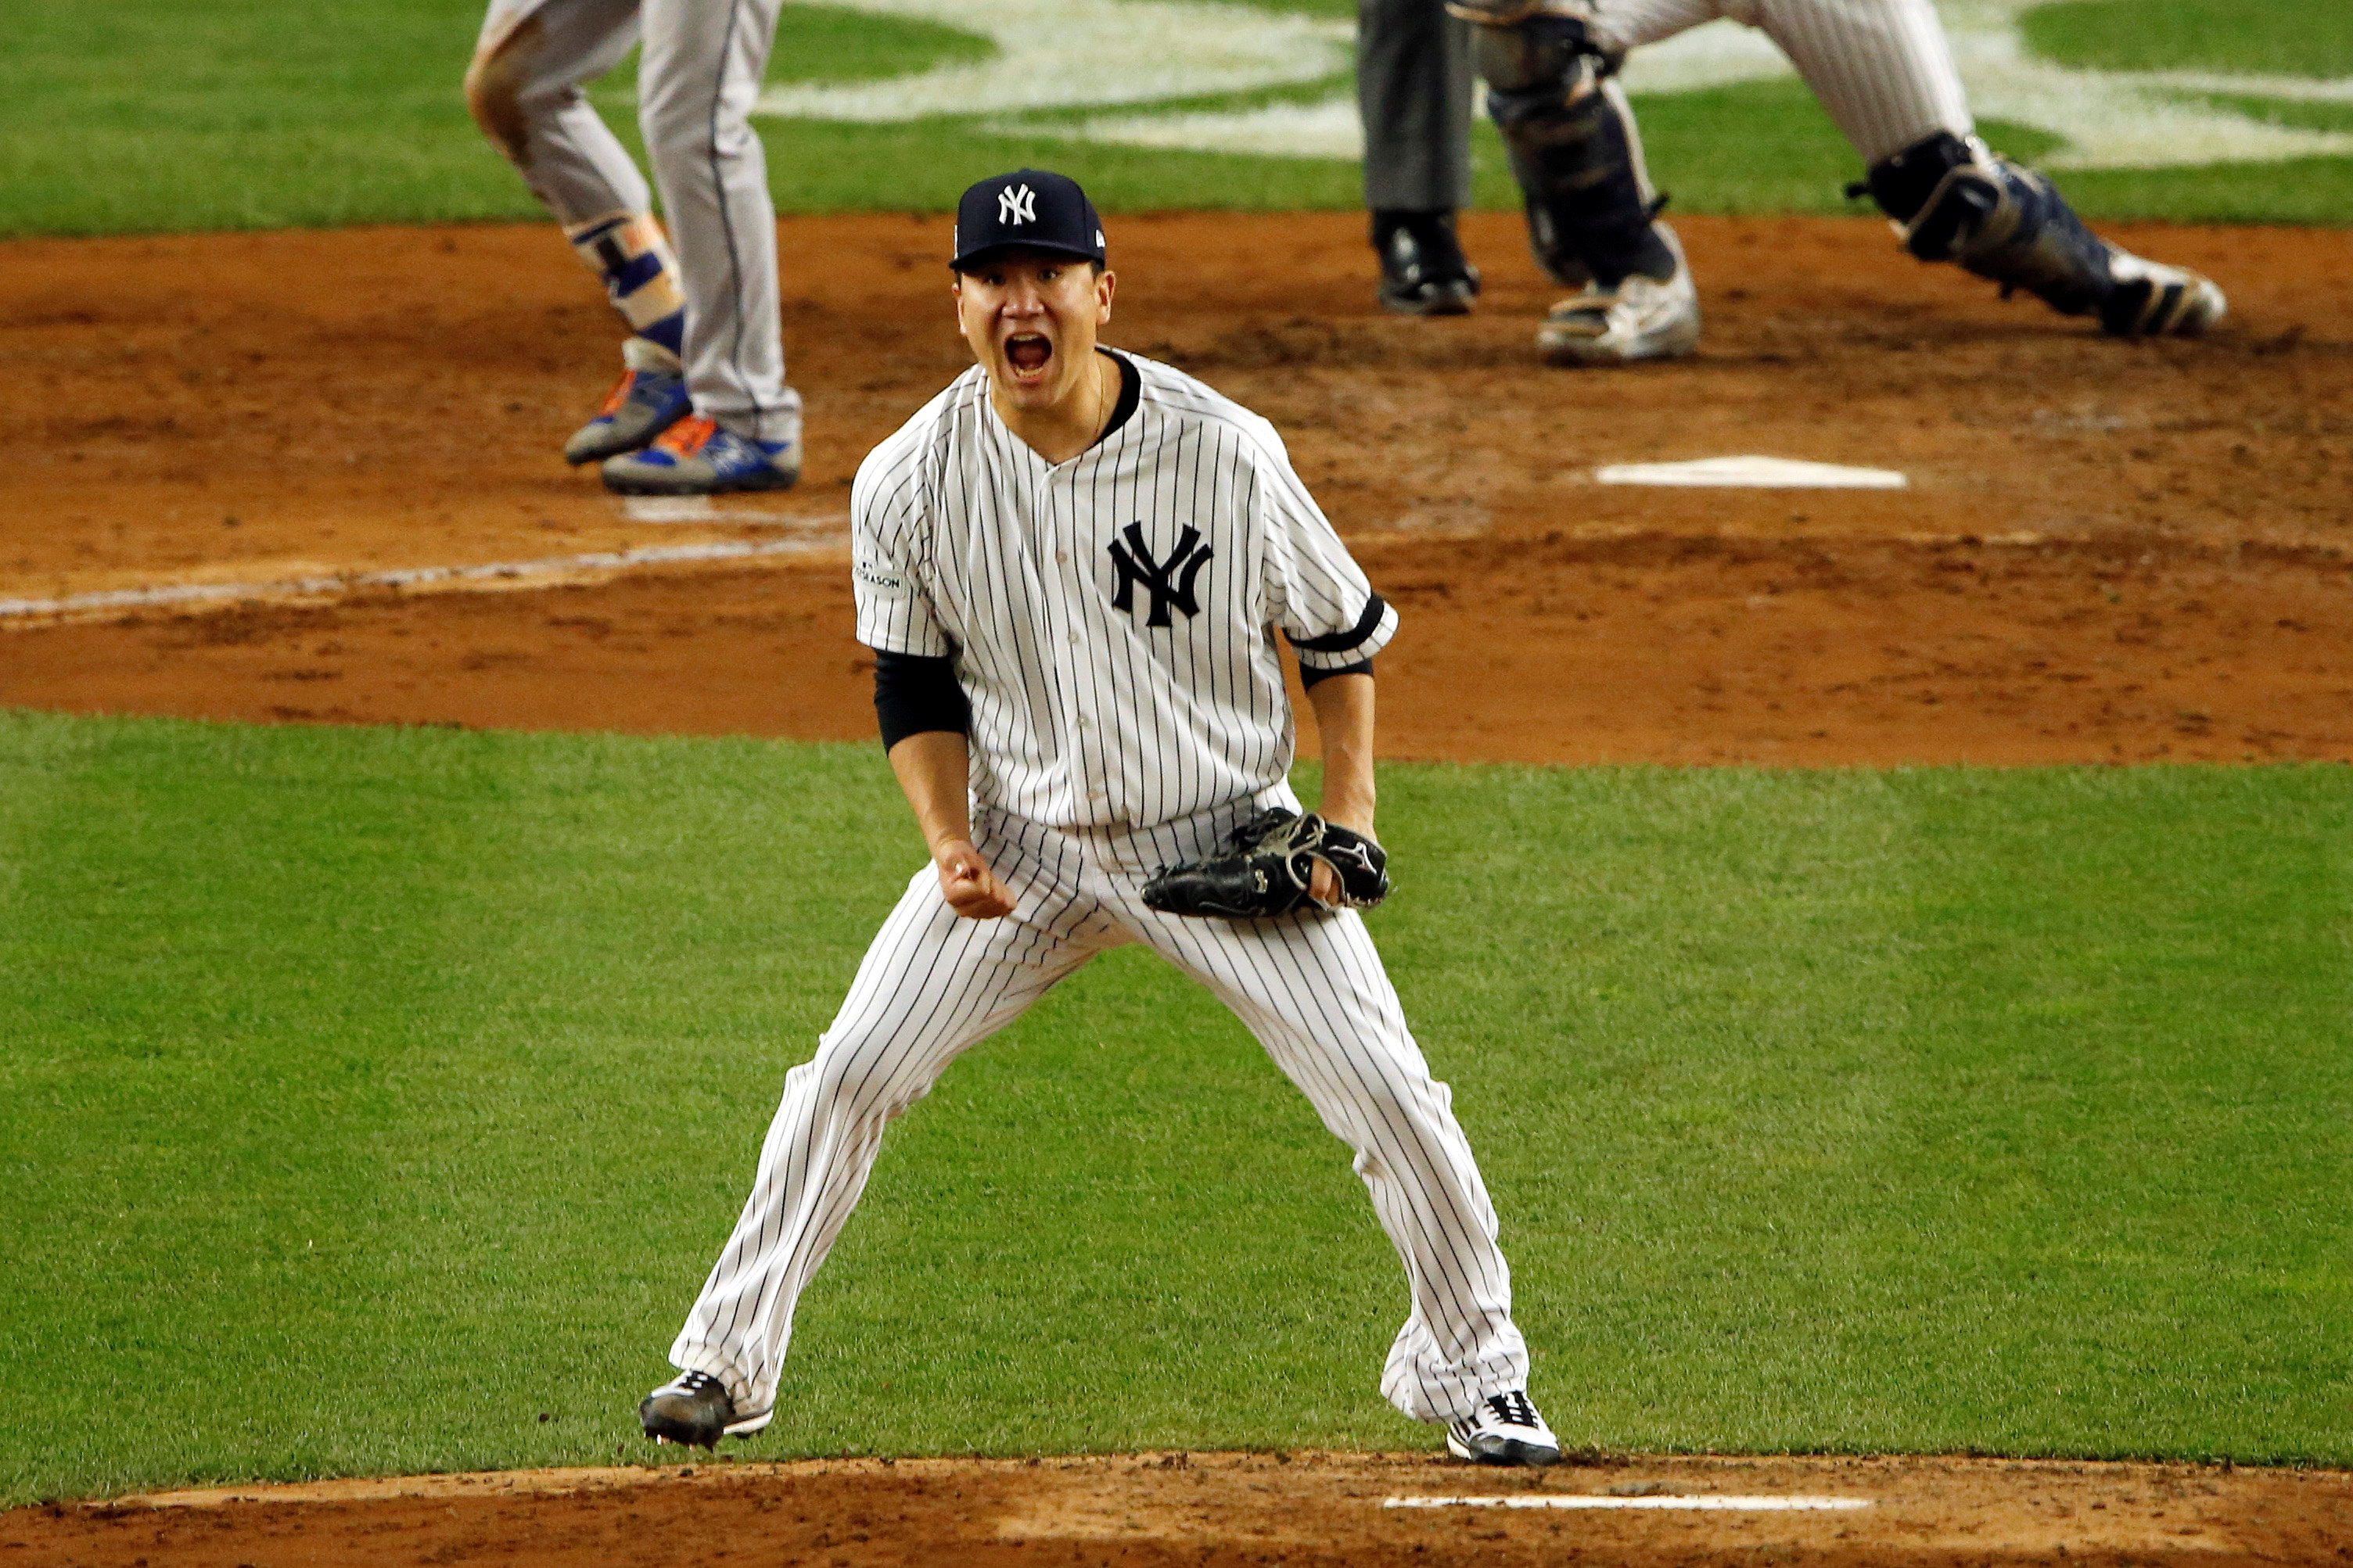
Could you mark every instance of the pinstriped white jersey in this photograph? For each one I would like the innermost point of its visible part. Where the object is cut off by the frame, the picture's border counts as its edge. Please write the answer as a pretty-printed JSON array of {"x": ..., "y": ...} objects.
[{"x": 1113, "y": 618}]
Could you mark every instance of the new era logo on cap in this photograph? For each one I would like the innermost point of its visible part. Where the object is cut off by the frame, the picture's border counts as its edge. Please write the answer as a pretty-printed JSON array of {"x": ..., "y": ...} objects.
[{"x": 1030, "y": 207}]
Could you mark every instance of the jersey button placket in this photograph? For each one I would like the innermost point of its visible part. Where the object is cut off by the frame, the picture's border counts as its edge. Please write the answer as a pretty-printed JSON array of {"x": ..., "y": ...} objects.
[{"x": 1070, "y": 596}]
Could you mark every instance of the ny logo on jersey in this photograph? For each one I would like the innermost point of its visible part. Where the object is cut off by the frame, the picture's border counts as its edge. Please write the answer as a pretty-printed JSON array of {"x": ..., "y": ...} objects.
[
  {"x": 1169, "y": 582},
  {"x": 1016, "y": 205}
]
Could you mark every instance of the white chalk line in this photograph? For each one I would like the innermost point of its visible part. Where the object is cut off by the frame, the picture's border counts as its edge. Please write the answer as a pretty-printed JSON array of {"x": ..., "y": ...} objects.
[
  {"x": 344, "y": 582},
  {"x": 1704, "y": 1504},
  {"x": 1753, "y": 472},
  {"x": 699, "y": 509}
]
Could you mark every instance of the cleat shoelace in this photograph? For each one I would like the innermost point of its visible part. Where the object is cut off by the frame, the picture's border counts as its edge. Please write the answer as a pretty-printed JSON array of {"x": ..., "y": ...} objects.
[
  {"x": 1513, "y": 1409},
  {"x": 619, "y": 398},
  {"x": 689, "y": 436}
]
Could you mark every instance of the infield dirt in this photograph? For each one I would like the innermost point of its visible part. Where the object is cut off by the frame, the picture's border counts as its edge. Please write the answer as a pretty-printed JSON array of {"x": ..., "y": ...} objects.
[{"x": 2108, "y": 552}]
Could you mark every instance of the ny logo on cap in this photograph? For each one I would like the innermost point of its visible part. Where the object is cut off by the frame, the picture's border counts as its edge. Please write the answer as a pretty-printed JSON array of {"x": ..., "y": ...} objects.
[{"x": 1016, "y": 205}]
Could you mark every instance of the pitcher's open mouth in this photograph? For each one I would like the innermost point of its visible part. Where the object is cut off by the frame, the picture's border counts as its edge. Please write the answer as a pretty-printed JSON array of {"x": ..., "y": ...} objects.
[{"x": 1027, "y": 352}]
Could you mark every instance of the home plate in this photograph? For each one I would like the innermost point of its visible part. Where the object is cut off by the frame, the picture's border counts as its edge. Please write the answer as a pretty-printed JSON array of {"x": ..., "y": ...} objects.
[
  {"x": 1755, "y": 473},
  {"x": 1704, "y": 1503}
]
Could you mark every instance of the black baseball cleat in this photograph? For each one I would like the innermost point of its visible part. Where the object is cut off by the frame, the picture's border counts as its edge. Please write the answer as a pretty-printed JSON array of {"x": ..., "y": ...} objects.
[
  {"x": 694, "y": 1408},
  {"x": 1505, "y": 1430},
  {"x": 1423, "y": 270}
]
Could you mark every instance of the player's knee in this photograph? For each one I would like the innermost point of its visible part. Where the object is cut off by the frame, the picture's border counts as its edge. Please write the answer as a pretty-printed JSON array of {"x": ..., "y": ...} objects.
[
  {"x": 507, "y": 95},
  {"x": 1389, "y": 1105},
  {"x": 861, "y": 1074},
  {"x": 1535, "y": 70},
  {"x": 494, "y": 89}
]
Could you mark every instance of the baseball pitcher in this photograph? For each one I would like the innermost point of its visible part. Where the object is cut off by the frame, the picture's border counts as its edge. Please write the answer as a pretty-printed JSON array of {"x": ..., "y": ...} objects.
[{"x": 1076, "y": 569}]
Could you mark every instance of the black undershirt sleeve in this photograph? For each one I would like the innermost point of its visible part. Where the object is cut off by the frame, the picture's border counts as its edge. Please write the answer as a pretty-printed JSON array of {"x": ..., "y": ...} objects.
[
  {"x": 1309, "y": 677},
  {"x": 1341, "y": 642},
  {"x": 914, "y": 693}
]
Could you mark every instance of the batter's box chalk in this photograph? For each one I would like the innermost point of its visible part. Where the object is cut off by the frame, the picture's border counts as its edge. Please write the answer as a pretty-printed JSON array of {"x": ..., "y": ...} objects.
[
  {"x": 1704, "y": 1504},
  {"x": 1753, "y": 473}
]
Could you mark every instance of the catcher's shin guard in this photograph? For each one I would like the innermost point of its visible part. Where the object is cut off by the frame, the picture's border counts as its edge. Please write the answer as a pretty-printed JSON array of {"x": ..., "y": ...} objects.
[
  {"x": 1952, "y": 200},
  {"x": 1572, "y": 146}
]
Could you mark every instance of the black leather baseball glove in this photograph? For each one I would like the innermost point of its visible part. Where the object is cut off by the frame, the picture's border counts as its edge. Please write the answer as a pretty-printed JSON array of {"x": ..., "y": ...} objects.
[{"x": 1264, "y": 867}]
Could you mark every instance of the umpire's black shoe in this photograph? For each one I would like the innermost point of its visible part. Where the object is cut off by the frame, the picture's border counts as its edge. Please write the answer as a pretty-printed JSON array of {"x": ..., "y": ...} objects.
[
  {"x": 1423, "y": 270},
  {"x": 1505, "y": 1430},
  {"x": 693, "y": 1407}
]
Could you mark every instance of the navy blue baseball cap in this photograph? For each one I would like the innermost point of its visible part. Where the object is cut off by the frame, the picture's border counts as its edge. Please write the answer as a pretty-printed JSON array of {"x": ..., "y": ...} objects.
[{"x": 1029, "y": 207}]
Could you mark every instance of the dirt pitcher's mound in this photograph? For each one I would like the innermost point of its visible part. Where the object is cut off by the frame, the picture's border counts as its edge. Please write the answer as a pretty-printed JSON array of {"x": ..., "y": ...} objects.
[{"x": 1207, "y": 1510}]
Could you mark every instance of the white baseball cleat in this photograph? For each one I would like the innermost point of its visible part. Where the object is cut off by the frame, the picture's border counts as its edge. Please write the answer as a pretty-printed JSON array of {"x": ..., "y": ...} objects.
[
  {"x": 1642, "y": 317},
  {"x": 1505, "y": 1430},
  {"x": 2152, "y": 300}
]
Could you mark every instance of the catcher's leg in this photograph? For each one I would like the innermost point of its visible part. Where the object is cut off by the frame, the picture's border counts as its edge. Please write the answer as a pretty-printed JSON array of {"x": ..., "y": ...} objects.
[
  {"x": 697, "y": 82},
  {"x": 931, "y": 986},
  {"x": 1414, "y": 94},
  {"x": 1952, "y": 200},
  {"x": 1578, "y": 155},
  {"x": 1884, "y": 71},
  {"x": 1881, "y": 69},
  {"x": 1311, "y": 988}
]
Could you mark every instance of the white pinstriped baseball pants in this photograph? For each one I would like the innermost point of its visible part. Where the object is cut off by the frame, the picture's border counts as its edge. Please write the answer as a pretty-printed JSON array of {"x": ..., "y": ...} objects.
[
  {"x": 1310, "y": 987},
  {"x": 1883, "y": 69}
]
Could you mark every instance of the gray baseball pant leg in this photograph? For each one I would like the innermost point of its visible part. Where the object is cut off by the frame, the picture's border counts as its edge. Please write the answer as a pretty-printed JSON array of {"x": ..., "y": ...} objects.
[
  {"x": 1414, "y": 84},
  {"x": 697, "y": 82},
  {"x": 524, "y": 88}
]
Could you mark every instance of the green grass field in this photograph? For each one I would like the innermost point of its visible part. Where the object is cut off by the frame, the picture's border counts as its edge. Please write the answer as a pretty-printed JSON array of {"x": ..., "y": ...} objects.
[
  {"x": 378, "y": 1098},
  {"x": 254, "y": 114},
  {"x": 2279, "y": 38}
]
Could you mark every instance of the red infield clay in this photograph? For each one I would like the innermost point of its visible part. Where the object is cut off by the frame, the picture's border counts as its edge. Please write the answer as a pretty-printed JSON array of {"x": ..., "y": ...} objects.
[{"x": 2108, "y": 552}]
